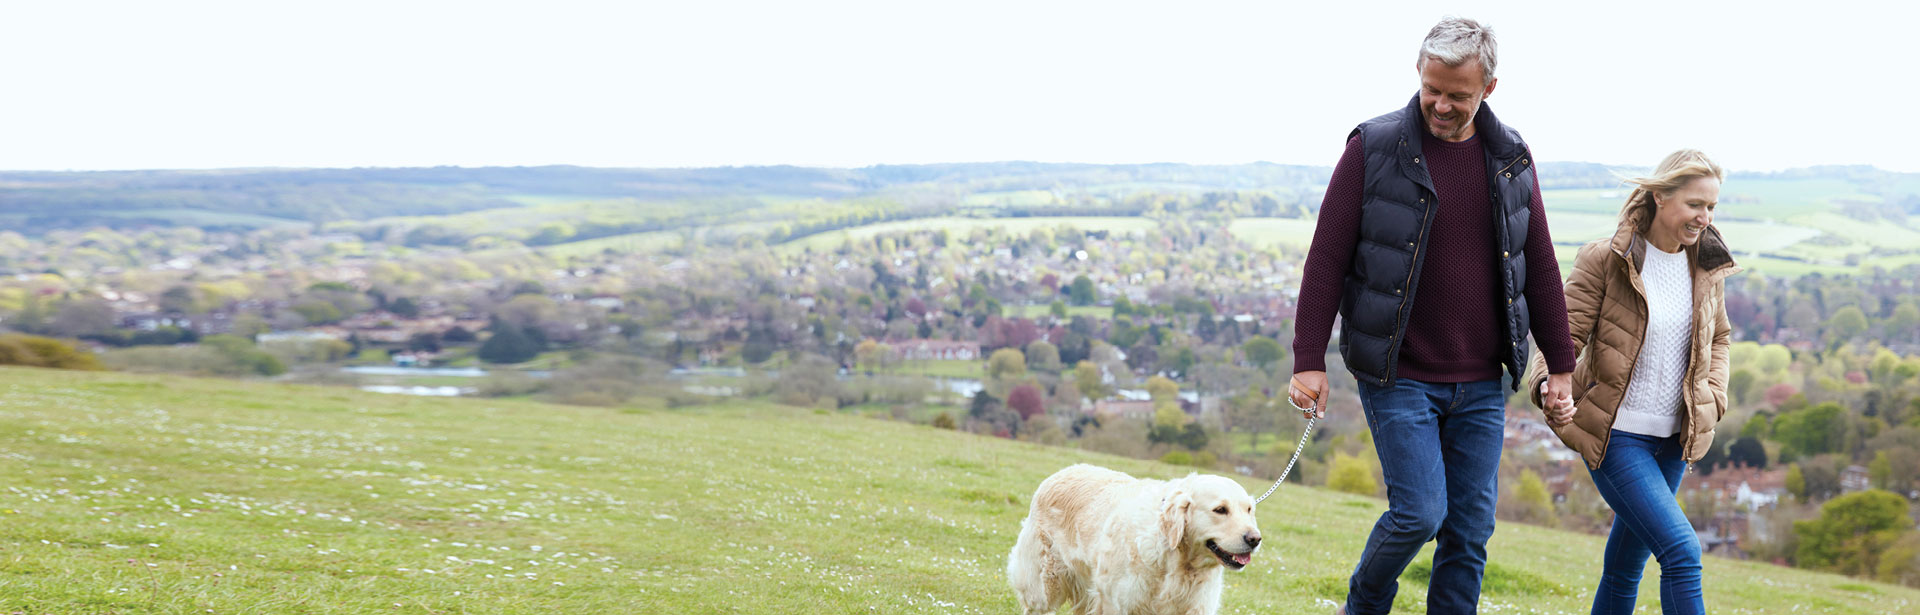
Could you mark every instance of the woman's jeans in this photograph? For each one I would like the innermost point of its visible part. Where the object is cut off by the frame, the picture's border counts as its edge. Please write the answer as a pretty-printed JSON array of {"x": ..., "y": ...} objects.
[
  {"x": 1639, "y": 477},
  {"x": 1439, "y": 446}
]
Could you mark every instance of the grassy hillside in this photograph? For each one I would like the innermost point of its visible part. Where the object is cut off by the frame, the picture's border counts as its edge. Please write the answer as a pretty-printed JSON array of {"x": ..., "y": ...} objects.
[{"x": 140, "y": 494}]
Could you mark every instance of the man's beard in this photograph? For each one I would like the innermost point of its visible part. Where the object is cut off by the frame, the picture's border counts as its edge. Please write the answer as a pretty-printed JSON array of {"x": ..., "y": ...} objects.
[{"x": 1459, "y": 126}]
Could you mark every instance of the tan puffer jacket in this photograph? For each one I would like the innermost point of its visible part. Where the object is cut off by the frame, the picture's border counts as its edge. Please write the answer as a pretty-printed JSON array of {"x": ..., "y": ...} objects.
[{"x": 1607, "y": 316}]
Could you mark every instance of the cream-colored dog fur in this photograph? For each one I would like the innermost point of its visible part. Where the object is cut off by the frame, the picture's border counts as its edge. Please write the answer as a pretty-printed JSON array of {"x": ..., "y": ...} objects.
[{"x": 1113, "y": 544}]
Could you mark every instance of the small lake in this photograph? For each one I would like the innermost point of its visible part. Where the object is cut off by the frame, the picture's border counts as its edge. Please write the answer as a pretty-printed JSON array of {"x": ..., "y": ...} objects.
[
  {"x": 459, "y": 372},
  {"x": 964, "y": 387},
  {"x": 423, "y": 391}
]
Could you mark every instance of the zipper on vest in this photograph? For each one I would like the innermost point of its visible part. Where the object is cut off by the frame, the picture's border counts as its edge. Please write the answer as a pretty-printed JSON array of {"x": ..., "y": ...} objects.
[
  {"x": 1507, "y": 274},
  {"x": 1401, "y": 314},
  {"x": 1509, "y": 165}
]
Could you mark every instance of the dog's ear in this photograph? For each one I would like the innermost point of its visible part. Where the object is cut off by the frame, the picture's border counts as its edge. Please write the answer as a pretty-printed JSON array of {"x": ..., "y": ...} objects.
[{"x": 1173, "y": 517}]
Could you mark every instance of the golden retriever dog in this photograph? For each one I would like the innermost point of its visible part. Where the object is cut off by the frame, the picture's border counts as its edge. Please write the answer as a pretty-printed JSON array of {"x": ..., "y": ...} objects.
[{"x": 1113, "y": 544}]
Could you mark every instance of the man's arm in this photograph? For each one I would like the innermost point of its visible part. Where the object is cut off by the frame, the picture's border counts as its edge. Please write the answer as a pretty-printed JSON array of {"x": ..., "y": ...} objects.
[
  {"x": 1325, "y": 272},
  {"x": 1546, "y": 303}
]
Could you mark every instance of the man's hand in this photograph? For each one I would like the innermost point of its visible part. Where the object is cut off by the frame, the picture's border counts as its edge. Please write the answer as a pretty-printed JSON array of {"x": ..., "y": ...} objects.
[
  {"x": 1309, "y": 390},
  {"x": 1556, "y": 399}
]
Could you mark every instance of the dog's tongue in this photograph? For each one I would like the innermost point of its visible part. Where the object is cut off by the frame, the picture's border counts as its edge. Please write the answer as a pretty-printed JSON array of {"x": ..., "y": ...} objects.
[{"x": 1243, "y": 559}]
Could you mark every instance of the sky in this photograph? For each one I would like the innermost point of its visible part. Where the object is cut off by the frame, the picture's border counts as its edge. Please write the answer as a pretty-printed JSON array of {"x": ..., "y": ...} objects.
[{"x": 196, "y": 84}]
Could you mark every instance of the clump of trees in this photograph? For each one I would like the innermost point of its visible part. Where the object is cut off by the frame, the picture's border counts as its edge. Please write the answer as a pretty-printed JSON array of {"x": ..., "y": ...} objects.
[
  {"x": 37, "y": 351},
  {"x": 1865, "y": 534},
  {"x": 215, "y": 355}
]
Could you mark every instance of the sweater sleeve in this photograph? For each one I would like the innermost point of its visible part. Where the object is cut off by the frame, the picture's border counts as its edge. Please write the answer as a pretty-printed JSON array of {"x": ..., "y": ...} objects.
[
  {"x": 1334, "y": 236},
  {"x": 1546, "y": 303}
]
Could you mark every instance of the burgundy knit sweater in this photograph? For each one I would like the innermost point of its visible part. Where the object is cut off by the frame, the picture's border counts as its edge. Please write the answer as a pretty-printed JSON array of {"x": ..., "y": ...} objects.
[{"x": 1454, "y": 333}]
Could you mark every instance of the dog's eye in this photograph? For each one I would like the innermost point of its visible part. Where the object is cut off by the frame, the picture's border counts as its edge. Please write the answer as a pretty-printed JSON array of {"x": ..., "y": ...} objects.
[{"x": 1220, "y": 510}]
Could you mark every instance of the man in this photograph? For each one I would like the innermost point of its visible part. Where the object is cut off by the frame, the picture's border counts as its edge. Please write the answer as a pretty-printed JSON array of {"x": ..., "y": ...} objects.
[{"x": 1439, "y": 198}]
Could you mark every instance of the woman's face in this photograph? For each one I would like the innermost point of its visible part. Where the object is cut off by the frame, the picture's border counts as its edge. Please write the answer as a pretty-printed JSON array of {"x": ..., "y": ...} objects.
[{"x": 1683, "y": 215}]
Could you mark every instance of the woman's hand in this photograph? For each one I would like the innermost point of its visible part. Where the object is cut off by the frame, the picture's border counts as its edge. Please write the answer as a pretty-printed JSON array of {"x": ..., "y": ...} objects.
[{"x": 1557, "y": 401}]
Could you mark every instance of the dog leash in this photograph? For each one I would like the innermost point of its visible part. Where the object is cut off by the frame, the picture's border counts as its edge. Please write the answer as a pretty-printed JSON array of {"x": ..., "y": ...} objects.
[{"x": 1298, "y": 446}]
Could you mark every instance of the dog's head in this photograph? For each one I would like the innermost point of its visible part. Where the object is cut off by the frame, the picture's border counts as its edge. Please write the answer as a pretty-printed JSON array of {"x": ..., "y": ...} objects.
[{"x": 1211, "y": 519}]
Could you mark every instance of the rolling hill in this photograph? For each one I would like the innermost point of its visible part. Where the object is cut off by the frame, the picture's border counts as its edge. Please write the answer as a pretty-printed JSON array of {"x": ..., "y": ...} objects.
[{"x": 151, "y": 494}]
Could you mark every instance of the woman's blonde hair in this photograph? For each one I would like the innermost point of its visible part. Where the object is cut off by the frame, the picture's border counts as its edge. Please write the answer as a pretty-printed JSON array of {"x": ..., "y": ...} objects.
[{"x": 1675, "y": 171}]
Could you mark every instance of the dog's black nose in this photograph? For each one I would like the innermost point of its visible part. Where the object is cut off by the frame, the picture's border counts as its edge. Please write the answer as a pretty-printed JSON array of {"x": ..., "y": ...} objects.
[{"x": 1253, "y": 540}]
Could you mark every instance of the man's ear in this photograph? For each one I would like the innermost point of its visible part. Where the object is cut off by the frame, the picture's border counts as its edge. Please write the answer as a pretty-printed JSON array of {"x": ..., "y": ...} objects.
[{"x": 1173, "y": 518}]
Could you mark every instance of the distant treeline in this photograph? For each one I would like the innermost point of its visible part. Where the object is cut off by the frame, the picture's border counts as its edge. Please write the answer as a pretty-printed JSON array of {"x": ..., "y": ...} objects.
[{"x": 32, "y": 202}]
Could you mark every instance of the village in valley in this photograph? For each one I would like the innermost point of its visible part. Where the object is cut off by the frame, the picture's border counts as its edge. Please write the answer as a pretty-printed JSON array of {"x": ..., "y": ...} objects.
[{"x": 1162, "y": 334}]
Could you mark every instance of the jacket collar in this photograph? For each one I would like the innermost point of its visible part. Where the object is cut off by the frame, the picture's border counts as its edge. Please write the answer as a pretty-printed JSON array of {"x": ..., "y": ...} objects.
[
  {"x": 1486, "y": 126},
  {"x": 1710, "y": 254}
]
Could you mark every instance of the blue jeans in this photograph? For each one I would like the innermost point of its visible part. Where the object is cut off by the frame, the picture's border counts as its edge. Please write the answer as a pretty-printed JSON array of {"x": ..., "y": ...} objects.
[
  {"x": 1439, "y": 446},
  {"x": 1638, "y": 478}
]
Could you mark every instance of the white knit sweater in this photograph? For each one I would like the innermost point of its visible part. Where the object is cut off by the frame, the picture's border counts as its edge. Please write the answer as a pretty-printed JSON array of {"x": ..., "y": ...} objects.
[{"x": 1652, "y": 403}]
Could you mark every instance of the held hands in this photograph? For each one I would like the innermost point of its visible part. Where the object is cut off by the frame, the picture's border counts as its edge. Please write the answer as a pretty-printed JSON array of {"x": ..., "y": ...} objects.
[
  {"x": 1308, "y": 390},
  {"x": 1556, "y": 399}
]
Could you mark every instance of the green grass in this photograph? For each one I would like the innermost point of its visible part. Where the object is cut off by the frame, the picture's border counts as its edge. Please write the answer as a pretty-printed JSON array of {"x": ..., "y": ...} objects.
[
  {"x": 546, "y": 199},
  {"x": 1763, "y": 236},
  {"x": 552, "y": 359},
  {"x": 1583, "y": 200},
  {"x": 1581, "y": 227},
  {"x": 1779, "y": 198},
  {"x": 1878, "y": 234},
  {"x": 147, "y": 494},
  {"x": 1294, "y": 233},
  {"x": 1009, "y": 198},
  {"x": 1779, "y": 267},
  {"x": 940, "y": 368},
  {"x": 632, "y": 243}
]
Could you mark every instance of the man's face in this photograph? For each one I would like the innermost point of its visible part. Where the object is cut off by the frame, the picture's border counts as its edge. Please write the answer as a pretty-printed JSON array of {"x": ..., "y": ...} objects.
[{"x": 1450, "y": 95}]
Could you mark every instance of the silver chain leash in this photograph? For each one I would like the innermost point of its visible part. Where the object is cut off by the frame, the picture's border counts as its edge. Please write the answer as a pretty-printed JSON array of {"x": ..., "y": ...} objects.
[{"x": 1302, "y": 445}]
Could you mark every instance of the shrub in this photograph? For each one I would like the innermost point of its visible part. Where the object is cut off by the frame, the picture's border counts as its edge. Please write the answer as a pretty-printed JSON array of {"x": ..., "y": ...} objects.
[
  {"x": 1529, "y": 501},
  {"x": 1852, "y": 533},
  {"x": 246, "y": 358},
  {"x": 37, "y": 351},
  {"x": 604, "y": 381},
  {"x": 808, "y": 381},
  {"x": 508, "y": 344},
  {"x": 1351, "y": 474},
  {"x": 509, "y": 383},
  {"x": 219, "y": 355}
]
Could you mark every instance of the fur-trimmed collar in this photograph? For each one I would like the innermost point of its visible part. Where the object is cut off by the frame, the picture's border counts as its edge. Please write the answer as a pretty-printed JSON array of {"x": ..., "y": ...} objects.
[{"x": 1710, "y": 254}]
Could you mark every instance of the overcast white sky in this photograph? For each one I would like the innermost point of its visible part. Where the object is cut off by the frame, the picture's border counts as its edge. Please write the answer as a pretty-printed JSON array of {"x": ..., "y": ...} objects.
[{"x": 127, "y": 85}]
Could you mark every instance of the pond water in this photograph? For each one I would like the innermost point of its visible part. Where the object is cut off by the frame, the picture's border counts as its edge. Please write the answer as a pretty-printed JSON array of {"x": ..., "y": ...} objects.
[{"x": 425, "y": 391}]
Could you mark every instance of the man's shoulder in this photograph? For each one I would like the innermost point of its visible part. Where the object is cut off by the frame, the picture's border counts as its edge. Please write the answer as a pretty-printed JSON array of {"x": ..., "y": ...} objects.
[
  {"x": 1389, "y": 119},
  {"x": 1381, "y": 129},
  {"x": 1512, "y": 136}
]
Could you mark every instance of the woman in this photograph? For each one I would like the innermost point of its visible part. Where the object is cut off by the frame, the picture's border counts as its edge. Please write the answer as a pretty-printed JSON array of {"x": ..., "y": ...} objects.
[{"x": 1647, "y": 312}]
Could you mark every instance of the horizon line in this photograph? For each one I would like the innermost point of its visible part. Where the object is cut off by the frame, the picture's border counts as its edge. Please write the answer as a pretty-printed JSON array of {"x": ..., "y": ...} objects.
[{"x": 867, "y": 166}]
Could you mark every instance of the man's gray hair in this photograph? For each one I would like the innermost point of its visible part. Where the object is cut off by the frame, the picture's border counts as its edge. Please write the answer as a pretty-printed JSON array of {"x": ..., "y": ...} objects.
[{"x": 1455, "y": 40}]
